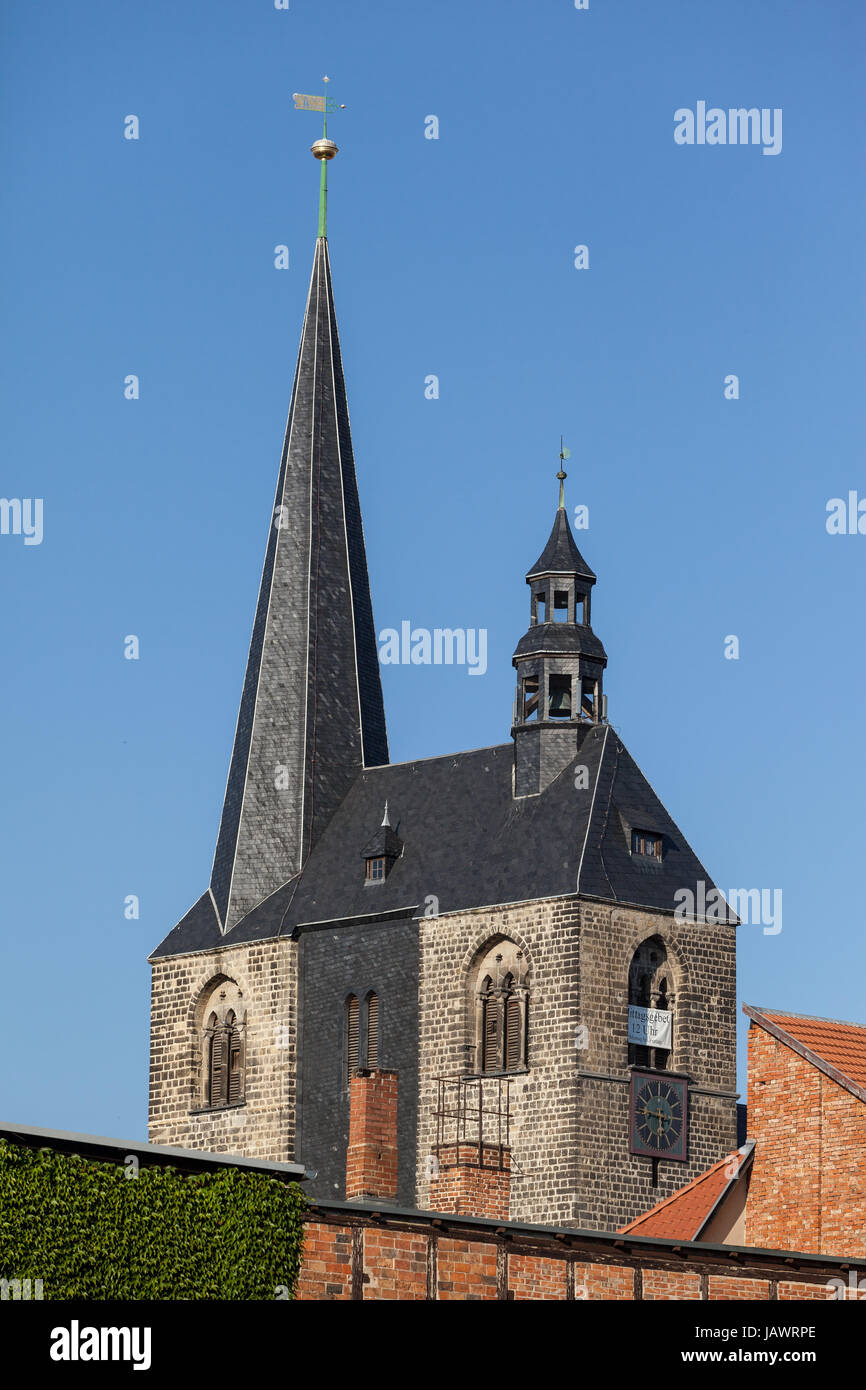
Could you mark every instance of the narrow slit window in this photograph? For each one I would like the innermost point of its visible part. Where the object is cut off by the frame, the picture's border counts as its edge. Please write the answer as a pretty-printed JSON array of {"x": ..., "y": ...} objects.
[
  {"x": 352, "y": 1036},
  {"x": 372, "y": 1031},
  {"x": 530, "y": 697},
  {"x": 489, "y": 1029},
  {"x": 513, "y": 1034}
]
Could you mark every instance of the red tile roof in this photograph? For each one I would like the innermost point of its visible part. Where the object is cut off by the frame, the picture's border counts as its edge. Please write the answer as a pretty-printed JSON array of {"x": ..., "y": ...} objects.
[
  {"x": 840, "y": 1047},
  {"x": 684, "y": 1215}
]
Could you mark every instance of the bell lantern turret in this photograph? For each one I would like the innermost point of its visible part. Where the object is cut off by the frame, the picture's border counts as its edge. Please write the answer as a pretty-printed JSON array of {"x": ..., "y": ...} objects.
[{"x": 559, "y": 661}]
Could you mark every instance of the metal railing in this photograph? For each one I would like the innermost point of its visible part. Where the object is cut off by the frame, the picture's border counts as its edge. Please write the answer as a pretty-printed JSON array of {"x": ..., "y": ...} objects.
[{"x": 475, "y": 1112}]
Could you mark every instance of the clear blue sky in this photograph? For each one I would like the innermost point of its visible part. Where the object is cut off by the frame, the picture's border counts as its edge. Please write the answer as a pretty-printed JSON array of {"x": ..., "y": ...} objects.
[{"x": 453, "y": 257}]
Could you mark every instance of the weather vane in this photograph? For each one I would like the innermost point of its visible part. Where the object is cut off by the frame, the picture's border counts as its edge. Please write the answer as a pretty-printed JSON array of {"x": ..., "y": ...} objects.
[
  {"x": 562, "y": 475},
  {"x": 323, "y": 149}
]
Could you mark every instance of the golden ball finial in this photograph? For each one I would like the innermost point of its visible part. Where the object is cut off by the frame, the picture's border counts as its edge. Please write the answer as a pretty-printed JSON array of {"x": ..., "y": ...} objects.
[{"x": 323, "y": 149}]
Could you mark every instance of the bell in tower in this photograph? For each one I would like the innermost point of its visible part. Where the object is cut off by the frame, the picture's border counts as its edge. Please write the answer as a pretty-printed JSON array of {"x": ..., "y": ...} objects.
[{"x": 559, "y": 661}]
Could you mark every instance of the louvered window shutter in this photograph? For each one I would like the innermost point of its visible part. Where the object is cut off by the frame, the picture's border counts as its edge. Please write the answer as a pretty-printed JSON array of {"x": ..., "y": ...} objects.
[
  {"x": 352, "y": 1030},
  {"x": 513, "y": 1033},
  {"x": 218, "y": 1067},
  {"x": 373, "y": 1031},
  {"x": 235, "y": 1089},
  {"x": 491, "y": 1019}
]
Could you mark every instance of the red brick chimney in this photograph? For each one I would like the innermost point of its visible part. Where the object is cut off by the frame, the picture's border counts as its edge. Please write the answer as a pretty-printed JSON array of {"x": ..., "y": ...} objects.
[
  {"x": 465, "y": 1186},
  {"x": 371, "y": 1159}
]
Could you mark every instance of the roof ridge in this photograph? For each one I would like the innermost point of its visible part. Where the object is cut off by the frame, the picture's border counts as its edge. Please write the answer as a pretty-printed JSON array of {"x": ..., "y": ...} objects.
[
  {"x": 436, "y": 757},
  {"x": 807, "y": 1018}
]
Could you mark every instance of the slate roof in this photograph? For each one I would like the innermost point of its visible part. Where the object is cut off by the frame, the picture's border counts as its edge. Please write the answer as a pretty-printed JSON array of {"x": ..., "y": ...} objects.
[
  {"x": 561, "y": 555},
  {"x": 836, "y": 1048},
  {"x": 468, "y": 843},
  {"x": 557, "y": 638},
  {"x": 686, "y": 1213}
]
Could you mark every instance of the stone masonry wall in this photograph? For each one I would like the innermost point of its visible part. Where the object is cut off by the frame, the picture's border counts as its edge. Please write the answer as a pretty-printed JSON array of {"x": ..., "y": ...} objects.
[
  {"x": 569, "y": 1123},
  {"x": 542, "y": 1099},
  {"x": 616, "y": 1186},
  {"x": 263, "y": 1125}
]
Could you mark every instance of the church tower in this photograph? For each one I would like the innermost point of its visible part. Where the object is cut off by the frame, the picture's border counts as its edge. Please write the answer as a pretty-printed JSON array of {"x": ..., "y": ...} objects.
[{"x": 482, "y": 934}]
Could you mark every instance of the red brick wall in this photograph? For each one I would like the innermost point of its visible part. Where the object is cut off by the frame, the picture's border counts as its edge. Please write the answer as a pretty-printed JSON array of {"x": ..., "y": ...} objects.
[
  {"x": 371, "y": 1158},
  {"x": 466, "y": 1189},
  {"x": 395, "y": 1265},
  {"x": 467, "y": 1270},
  {"x": 731, "y": 1286},
  {"x": 327, "y": 1267},
  {"x": 379, "y": 1262},
  {"x": 790, "y": 1289},
  {"x": 609, "y": 1282},
  {"x": 533, "y": 1276},
  {"x": 661, "y": 1284},
  {"x": 808, "y": 1184}
]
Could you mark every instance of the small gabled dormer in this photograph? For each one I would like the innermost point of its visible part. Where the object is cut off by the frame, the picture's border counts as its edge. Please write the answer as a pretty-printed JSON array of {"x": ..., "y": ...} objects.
[
  {"x": 381, "y": 853},
  {"x": 647, "y": 841}
]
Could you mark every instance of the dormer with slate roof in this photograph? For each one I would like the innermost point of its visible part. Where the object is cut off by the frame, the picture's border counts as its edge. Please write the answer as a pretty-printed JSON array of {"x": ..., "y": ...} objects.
[{"x": 380, "y": 853}]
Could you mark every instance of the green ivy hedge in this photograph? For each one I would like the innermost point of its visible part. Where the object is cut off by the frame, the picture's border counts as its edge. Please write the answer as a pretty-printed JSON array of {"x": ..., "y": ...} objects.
[{"x": 88, "y": 1230}]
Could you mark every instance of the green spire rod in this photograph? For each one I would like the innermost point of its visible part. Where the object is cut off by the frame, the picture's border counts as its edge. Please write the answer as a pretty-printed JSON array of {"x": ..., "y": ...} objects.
[
  {"x": 323, "y": 149},
  {"x": 562, "y": 475},
  {"x": 323, "y": 199}
]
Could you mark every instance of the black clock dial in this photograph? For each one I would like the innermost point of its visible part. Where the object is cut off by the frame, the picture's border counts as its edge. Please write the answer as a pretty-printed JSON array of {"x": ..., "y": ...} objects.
[{"x": 659, "y": 1116}]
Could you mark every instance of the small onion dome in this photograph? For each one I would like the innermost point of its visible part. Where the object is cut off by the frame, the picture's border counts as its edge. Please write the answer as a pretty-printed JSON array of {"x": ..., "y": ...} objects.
[{"x": 323, "y": 149}]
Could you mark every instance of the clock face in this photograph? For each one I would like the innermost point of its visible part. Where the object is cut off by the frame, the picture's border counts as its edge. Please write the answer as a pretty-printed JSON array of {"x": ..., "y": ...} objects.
[{"x": 659, "y": 1115}]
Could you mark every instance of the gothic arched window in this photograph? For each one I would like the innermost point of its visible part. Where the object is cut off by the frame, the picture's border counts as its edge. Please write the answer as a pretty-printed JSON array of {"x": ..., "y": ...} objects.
[
  {"x": 650, "y": 983},
  {"x": 501, "y": 1010},
  {"x": 224, "y": 1082}
]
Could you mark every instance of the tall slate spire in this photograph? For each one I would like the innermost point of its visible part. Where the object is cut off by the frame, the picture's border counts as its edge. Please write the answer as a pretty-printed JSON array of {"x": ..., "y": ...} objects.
[{"x": 311, "y": 712}]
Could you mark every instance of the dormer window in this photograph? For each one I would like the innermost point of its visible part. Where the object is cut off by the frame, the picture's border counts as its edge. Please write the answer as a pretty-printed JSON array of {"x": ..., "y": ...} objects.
[
  {"x": 647, "y": 843},
  {"x": 382, "y": 853}
]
